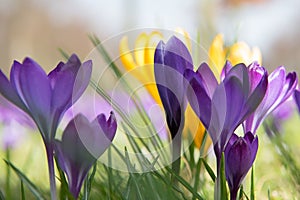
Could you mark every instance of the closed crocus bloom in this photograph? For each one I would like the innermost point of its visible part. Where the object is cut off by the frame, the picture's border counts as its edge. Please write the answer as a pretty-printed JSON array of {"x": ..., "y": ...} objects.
[
  {"x": 82, "y": 143},
  {"x": 297, "y": 99},
  {"x": 240, "y": 153},
  {"x": 281, "y": 86},
  {"x": 170, "y": 62},
  {"x": 237, "y": 53},
  {"x": 46, "y": 97},
  {"x": 223, "y": 107}
]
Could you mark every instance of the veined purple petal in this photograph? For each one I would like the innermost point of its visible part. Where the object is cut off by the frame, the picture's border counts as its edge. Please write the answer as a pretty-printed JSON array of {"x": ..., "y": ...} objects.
[
  {"x": 280, "y": 88},
  {"x": 227, "y": 67},
  {"x": 253, "y": 102},
  {"x": 256, "y": 72},
  {"x": 297, "y": 99}
]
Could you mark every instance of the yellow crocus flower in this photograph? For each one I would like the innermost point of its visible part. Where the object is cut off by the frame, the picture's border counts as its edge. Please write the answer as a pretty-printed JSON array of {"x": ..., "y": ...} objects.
[
  {"x": 140, "y": 64},
  {"x": 239, "y": 52}
]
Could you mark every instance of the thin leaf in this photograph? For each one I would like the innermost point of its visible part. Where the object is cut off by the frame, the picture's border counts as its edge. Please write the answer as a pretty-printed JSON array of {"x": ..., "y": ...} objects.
[
  {"x": 22, "y": 191},
  {"x": 241, "y": 192},
  {"x": 98, "y": 44},
  {"x": 252, "y": 196},
  {"x": 35, "y": 191},
  {"x": 63, "y": 53},
  {"x": 185, "y": 184},
  {"x": 197, "y": 178},
  {"x": 1, "y": 196},
  {"x": 209, "y": 170}
]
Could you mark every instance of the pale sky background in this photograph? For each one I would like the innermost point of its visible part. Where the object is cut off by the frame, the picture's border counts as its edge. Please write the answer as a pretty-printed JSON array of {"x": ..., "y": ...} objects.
[{"x": 267, "y": 24}]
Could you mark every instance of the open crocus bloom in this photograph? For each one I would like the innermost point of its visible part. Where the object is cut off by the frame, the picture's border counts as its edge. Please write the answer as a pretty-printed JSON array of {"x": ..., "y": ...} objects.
[
  {"x": 223, "y": 107},
  {"x": 82, "y": 143},
  {"x": 240, "y": 153},
  {"x": 46, "y": 97},
  {"x": 280, "y": 87}
]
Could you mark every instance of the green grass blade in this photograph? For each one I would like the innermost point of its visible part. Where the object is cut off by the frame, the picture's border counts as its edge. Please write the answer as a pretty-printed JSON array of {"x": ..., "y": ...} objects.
[
  {"x": 22, "y": 191},
  {"x": 1, "y": 196},
  {"x": 64, "y": 54},
  {"x": 35, "y": 191},
  {"x": 209, "y": 170},
  {"x": 185, "y": 184},
  {"x": 252, "y": 196}
]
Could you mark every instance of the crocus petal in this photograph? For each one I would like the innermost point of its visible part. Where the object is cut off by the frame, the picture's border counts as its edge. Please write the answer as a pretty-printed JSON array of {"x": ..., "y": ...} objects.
[
  {"x": 198, "y": 97},
  {"x": 81, "y": 145},
  {"x": 36, "y": 89},
  {"x": 82, "y": 80},
  {"x": 297, "y": 99},
  {"x": 208, "y": 78},
  {"x": 240, "y": 154},
  {"x": 9, "y": 92}
]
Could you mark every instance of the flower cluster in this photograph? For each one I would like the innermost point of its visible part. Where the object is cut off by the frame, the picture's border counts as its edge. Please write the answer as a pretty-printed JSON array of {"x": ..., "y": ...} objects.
[{"x": 233, "y": 90}]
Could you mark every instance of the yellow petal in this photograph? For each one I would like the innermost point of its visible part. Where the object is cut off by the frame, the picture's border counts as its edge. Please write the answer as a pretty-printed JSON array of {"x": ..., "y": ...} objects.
[
  {"x": 240, "y": 52},
  {"x": 139, "y": 48},
  {"x": 256, "y": 55},
  {"x": 125, "y": 54},
  {"x": 216, "y": 55}
]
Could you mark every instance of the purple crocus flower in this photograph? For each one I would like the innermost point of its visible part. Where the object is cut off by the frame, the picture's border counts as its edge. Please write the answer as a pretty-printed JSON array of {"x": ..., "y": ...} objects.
[
  {"x": 223, "y": 107},
  {"x": 82, "y": 143},
  {"x": 170, "y": 62},
  {"x": 240, "y": 153},
  {"x": 297, "y": 98},
  {"x": 280, "y": 87},
  {"x": 45, "y": 97}
]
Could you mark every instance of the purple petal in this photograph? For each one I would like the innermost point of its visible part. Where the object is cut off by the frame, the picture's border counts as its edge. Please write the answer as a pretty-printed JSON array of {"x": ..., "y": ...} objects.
[
  {"x": 208, "y": 78},
  {"x": 9, "y": 92},
  {"x": 36, "y": 89},
  {"x": 218, "y": 114},
  {"x": 256, "y": 72},
  {"x": 199, "y": 99},
  {"x": 82, "y": 80},
  {"x": 177, "y": 55},
  {"x": 227, "y": 67},
  {"x": 297, "y": 99}
]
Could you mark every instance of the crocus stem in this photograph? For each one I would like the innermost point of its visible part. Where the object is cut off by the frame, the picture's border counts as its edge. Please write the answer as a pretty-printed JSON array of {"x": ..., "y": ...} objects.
[
  {"x": 176, "y": 150},
  {"x": 7, "y": 189},
  {"x": 49, "y": 151},
  {"x": 233, "y": 194}
]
